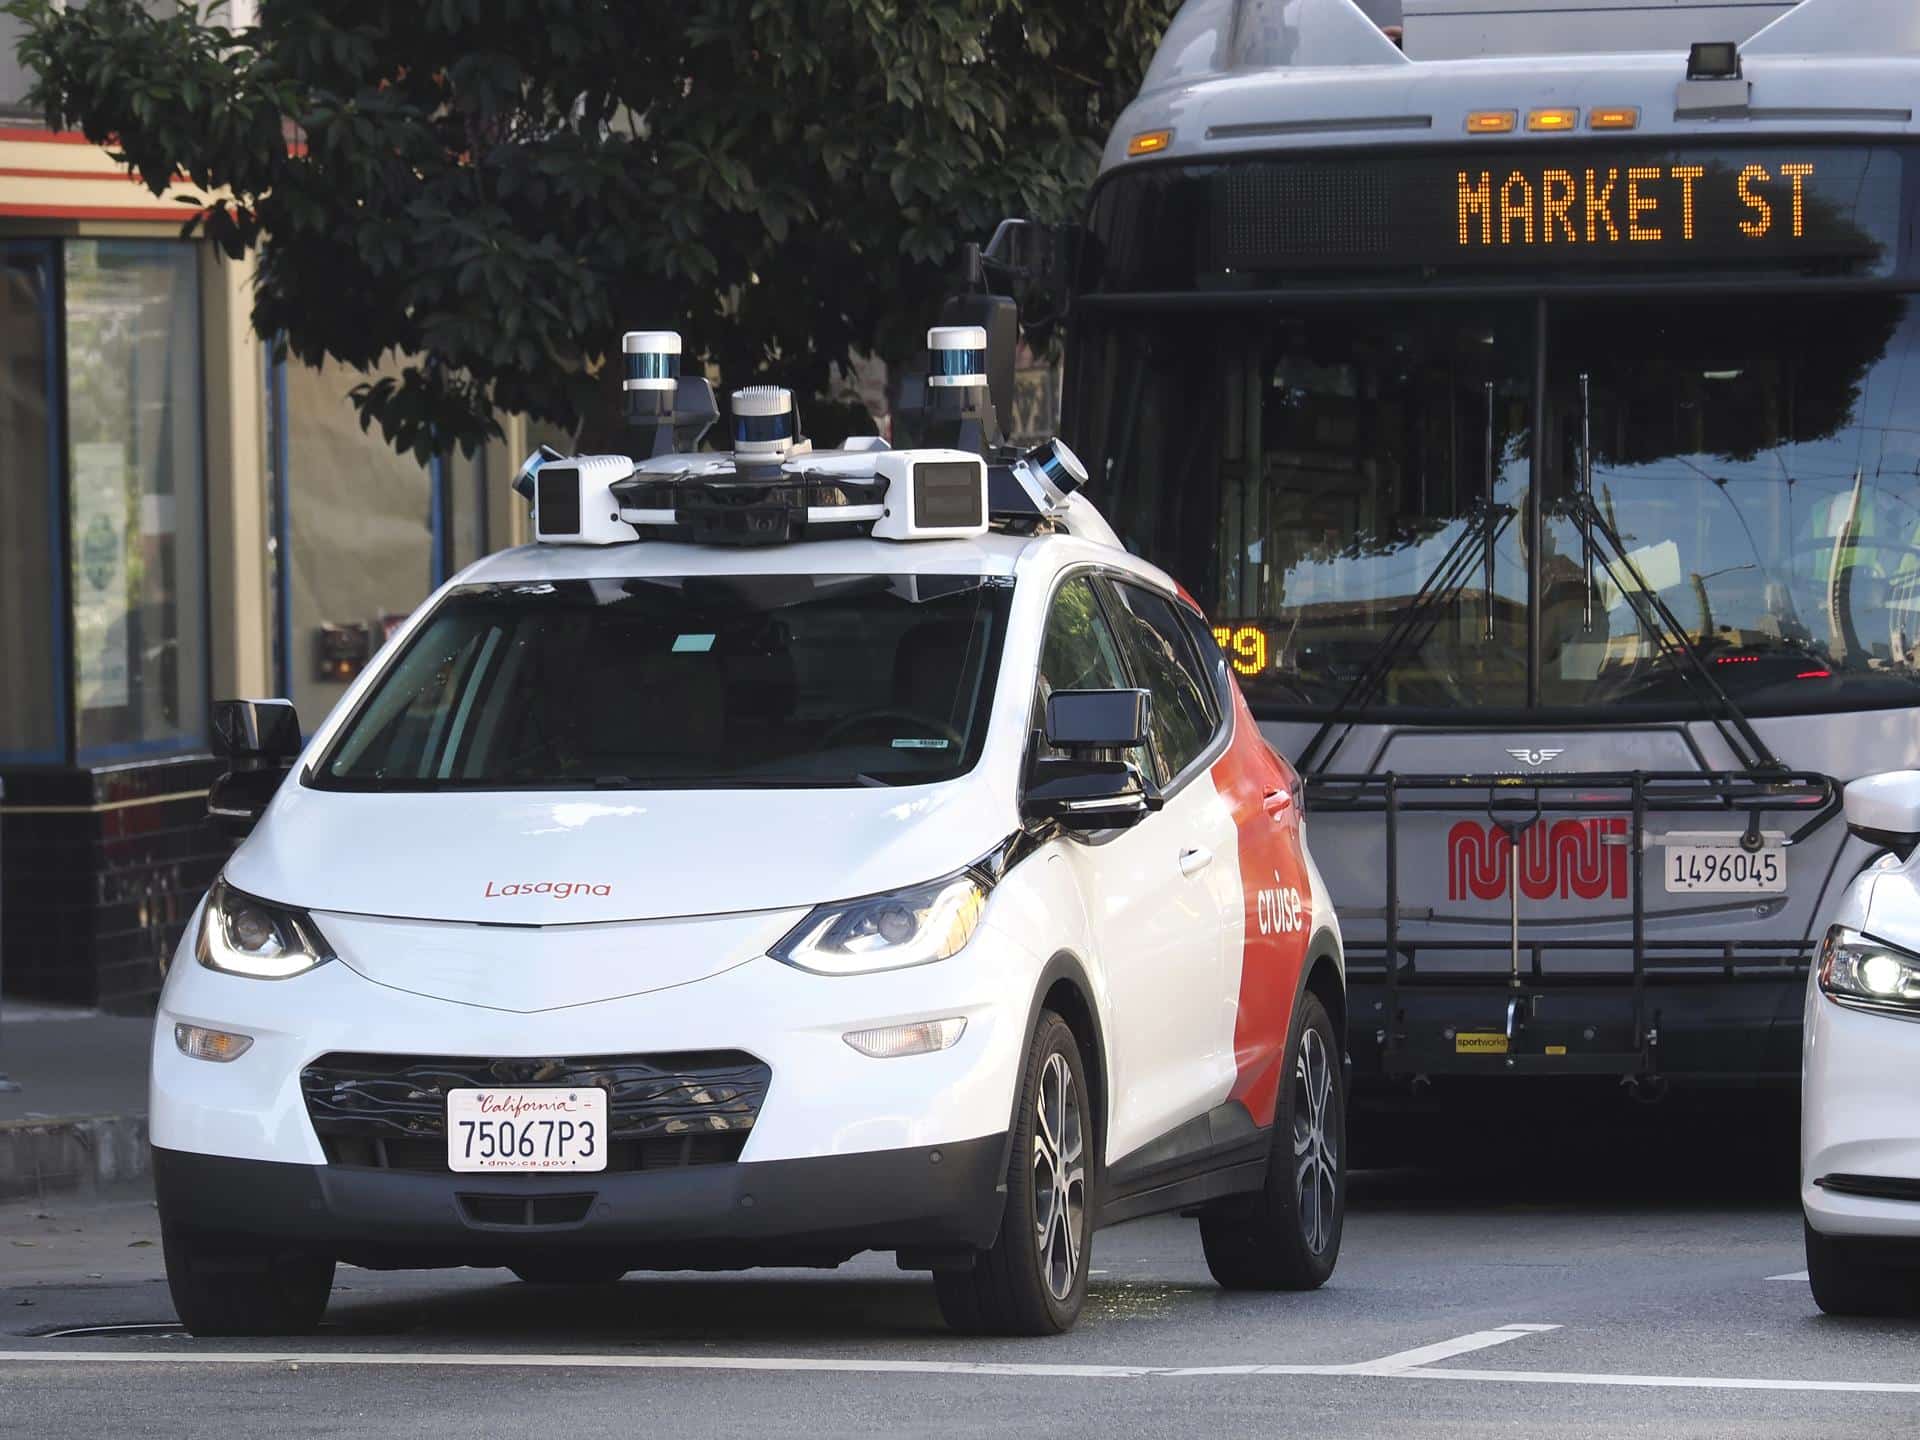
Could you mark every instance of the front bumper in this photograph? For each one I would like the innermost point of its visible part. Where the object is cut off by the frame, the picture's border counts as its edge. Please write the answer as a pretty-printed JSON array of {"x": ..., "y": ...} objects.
[
  {"x": 824, "y": 1099},
  {"x": 816, "y": 1211},
  {"x": 1860, "y": 1122}
]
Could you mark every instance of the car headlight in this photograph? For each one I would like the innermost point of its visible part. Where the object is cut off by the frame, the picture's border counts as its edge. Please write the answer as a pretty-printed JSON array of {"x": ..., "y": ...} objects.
[
  {"x": 888, "y": 932},
  {"x": 245, "y": 936},
  {"x": 1856, "y": 970}
]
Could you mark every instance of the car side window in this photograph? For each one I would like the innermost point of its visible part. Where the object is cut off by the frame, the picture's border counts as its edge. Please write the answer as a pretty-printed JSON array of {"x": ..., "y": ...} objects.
[
  {"x": 1078, "y": 650},
  {"x": 1183, "y": 711},
  {"x": 1212, "y": 659}
]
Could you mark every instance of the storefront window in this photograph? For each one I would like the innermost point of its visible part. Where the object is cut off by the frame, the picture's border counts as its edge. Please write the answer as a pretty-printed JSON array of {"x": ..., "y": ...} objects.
[
  {"x": 30, "y": 728},
  {"x": 360, "y": 535},
  {"x": 465, "y": 507},
  {"x": 134, "y": 465}
]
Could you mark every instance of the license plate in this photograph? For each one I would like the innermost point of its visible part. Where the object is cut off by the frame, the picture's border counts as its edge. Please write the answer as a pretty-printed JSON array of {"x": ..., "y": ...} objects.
[
  {"x": 545, "y": 1129},
  {"x": 1725, "y": 867}
]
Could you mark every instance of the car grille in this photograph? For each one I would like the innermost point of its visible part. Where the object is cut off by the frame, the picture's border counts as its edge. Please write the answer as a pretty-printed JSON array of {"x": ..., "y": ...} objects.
[{"x": 389, "y": 1112}]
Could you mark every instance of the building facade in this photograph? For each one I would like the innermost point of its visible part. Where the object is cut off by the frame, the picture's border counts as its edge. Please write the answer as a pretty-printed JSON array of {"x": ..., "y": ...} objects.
[{"x": 181, "y": 518}]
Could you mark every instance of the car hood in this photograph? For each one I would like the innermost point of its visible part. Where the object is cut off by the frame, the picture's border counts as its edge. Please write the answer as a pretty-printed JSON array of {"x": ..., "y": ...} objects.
[{"x": 516, "y": 858}]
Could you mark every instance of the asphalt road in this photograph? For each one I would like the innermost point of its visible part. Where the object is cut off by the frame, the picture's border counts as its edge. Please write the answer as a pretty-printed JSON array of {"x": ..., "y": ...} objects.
[{"x": 1604, "y": 1274}]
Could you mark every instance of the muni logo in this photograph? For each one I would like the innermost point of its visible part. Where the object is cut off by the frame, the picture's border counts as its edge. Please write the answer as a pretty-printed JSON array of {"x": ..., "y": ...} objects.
[{"x": 1564, "y": 858}]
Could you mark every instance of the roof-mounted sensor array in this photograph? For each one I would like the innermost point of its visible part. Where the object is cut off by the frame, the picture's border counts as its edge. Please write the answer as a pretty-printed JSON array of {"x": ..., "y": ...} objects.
[{"x": 773, "y": 488}]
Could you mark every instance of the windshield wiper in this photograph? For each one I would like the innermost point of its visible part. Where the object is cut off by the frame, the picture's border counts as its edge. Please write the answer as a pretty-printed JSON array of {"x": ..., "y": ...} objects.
[
  {"x": 1664, "y": 626},
  {"x": 1471, "y": 547}
]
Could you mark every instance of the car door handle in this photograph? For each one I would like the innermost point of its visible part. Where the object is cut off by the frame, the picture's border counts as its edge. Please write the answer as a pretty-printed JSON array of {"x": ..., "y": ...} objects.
[
  {"x": 1195, "y": 859},
  {"x": 1277, "y": 802}
]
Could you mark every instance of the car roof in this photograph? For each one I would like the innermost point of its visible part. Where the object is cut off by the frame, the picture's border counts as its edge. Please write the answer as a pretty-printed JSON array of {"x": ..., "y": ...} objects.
[{"x": 993, "y": 554}]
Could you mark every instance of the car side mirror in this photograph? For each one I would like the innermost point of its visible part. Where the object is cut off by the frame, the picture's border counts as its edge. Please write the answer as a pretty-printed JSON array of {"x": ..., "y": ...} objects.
[
  {"x": 1094, "y": 787},
  {"x": 260, "y": 740},
  {"x": 1088, "y": 795},
  {"x": 1884, "y": 810}
]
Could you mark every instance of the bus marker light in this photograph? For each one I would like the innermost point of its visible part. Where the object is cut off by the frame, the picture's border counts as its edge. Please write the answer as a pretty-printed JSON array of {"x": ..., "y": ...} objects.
[
  {"x": 1149, "y": 142},
  {"x": 1553, "y": 119},
  {"x": 1490, "y": 122},
  {"x": 1614, "y": 117}
]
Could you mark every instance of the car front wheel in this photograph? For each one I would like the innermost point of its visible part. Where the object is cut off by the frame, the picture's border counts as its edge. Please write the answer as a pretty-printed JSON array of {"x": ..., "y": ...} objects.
[
  {"x": 222, "y": 1286},
  {"x": 1033, "y": 1280},
  {"x": 1287, "y": 1235}
]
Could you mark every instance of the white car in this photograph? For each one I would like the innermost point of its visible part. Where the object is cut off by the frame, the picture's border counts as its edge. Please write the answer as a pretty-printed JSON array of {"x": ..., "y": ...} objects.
[
  {"x": 1860, "y": 1100},
  {"x": 661, "y": 905}
]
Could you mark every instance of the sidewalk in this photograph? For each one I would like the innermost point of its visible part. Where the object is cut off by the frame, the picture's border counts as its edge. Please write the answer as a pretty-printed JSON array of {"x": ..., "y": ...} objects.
[{"x": 79, "y": 1120}]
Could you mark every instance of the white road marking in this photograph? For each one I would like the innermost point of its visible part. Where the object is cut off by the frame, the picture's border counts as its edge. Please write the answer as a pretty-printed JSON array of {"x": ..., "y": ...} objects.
[
  {"x": 1447, "y": 1349},
  {"x": 1663, "y": 1382},
  {"x": 582, "y": 1362},
  {"x": 1800, "y": 1275},
  {"x": 1393, "y": 1364},
  {"x": 1420, "y": 1363}
]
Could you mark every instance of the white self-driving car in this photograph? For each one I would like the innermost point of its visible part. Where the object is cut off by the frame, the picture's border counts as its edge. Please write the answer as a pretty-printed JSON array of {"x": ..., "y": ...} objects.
[
  {"x": 1860, "y": 1101},
  {"x": 911, "y": 879}
]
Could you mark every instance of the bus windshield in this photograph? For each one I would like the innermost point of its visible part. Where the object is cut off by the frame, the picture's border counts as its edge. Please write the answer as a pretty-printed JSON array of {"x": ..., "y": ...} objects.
[{"x": 1744, "y": 471}]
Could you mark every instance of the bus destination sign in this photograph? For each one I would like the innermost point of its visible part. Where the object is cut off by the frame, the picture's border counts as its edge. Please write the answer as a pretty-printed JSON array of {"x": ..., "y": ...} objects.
[{"x": 1562, "y": 207}]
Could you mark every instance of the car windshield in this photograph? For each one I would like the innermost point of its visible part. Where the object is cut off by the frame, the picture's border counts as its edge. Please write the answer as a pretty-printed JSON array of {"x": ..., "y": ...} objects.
[{"x": 721, "y": 681}]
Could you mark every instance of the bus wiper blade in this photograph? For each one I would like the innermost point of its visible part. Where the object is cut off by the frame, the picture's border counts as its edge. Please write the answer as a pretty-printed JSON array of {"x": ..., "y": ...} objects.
[
  {"x": 1664, "y": 626},
  {"x": 1474, "y": 542}
]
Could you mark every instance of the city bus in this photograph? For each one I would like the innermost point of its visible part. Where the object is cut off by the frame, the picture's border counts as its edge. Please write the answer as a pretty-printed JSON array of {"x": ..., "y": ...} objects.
[{"x": 1533, "y": 397}]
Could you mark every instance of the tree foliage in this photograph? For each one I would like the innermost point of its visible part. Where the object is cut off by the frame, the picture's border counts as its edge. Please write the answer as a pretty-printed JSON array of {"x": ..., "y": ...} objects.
[{"x": 492, "y": 190}]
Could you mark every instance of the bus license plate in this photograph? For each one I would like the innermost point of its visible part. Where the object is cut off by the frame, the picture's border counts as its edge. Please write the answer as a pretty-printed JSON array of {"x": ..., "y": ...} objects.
[
  {"x": 545, "y": 1129},
  {"x": 1726, "y": 868}
]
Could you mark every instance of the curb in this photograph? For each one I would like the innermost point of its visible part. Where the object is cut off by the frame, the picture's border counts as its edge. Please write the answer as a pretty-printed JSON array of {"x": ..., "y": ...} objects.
[{"x": 78, "y": 1153}]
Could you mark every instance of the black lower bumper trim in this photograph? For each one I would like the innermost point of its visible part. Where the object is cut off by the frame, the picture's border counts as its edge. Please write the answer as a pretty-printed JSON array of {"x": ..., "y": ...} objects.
[
  {"x": 1872, "y": 1187},
  {"x": 814, "y": 1211}
]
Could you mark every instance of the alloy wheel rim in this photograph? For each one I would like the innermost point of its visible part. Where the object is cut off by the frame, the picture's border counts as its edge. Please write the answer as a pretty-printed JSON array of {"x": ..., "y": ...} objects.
[
  {"x": 1059, "y": 1177},
  {"x": 1316, "y": 1155}
]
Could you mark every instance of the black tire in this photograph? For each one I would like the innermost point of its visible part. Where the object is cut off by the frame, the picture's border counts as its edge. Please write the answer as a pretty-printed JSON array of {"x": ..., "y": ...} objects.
[
  {"x": 1033, "y": 1280},
  {"x": 566, "y": 1270},
  {"x": 1849, "y": 1278},
  {"x": 1287, "y": 1236},
  {"x": 222, "y": 1286}
]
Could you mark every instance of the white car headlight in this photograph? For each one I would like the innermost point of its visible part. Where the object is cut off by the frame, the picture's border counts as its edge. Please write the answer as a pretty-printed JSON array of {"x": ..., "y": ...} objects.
[
  {"x": 1859, "y": 971},
  {"x": 887, "y": 932},
  {"x": 245, "y": 936}
]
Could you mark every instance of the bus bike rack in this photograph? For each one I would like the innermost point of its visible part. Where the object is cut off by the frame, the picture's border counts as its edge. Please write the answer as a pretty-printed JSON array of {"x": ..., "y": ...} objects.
[{"x": 1514, "y": 804}]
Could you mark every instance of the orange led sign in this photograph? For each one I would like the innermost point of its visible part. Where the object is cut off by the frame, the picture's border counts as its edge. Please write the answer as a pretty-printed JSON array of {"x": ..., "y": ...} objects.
[
  {"x": 1585, "y": 202},
  {"x": 1547, "y": 204},
  {"x": 1245, "y": 647}
]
